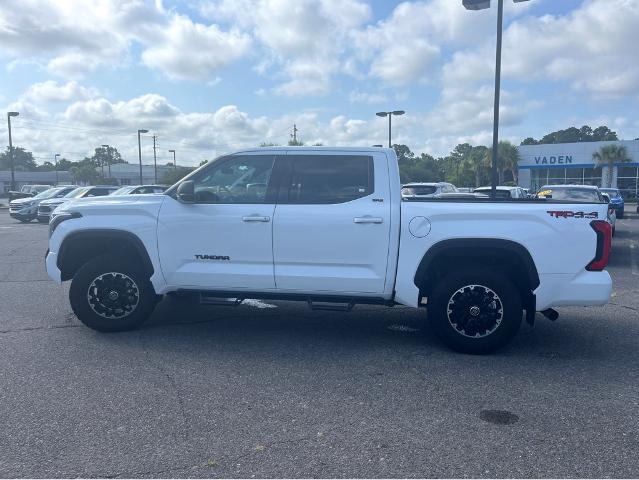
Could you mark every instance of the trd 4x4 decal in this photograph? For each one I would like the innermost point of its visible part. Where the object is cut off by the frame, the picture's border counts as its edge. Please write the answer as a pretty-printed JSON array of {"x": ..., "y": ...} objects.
[{"x": 570, "y": 214}]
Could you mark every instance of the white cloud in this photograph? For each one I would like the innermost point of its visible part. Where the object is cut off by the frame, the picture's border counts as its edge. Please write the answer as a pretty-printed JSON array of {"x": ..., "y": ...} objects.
[
  {"x": 365, "y": 97},
  {"x": 190, "y": 50},
  {"x": 52, "y": 91},
  {"x": 590, "y": 48}
]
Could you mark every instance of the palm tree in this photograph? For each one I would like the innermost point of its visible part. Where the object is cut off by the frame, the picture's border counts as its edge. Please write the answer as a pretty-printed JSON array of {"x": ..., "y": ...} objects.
[
  {"x": 508, "y": 160},
  {"x": 610, "y": 155}
]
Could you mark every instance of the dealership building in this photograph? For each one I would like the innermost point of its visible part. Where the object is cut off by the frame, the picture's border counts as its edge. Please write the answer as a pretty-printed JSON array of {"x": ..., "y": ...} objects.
[{"x": 572, "y": 163}]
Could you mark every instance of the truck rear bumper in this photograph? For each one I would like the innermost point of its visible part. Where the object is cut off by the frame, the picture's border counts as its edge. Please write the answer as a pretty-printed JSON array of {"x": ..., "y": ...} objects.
[{"x": 584, "y": 289}]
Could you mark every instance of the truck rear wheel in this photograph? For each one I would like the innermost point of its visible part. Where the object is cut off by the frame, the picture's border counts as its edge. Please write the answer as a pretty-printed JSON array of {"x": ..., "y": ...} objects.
[
  {"x": 475, "y": 311},
  {"x": 112, "y": 294}
]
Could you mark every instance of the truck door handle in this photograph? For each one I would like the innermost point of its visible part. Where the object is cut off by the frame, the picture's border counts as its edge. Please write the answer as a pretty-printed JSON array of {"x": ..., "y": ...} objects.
[
  {"x": 368, "y": 220},
  {"x": 255, "y": 218}
]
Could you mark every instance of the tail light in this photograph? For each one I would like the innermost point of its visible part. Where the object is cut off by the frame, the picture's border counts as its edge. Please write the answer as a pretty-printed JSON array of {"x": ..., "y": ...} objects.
[{"x": 604, "y": 242}]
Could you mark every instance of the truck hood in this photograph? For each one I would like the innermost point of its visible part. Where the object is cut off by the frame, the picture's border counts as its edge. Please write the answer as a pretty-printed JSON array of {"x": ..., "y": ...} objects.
[
  {"x": 23, "y": 201},
  {"x": 118, "y": 205}
]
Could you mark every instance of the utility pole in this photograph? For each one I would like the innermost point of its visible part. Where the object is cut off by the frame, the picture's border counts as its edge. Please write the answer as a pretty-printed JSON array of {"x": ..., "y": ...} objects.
[
  {"x": 13, "y": 179},
  {"x": 55, "y": 157},
  {"x": 155, "y": 160},
  {"x": 140, "y": 153},
  {"x": 294, "y": 134}
]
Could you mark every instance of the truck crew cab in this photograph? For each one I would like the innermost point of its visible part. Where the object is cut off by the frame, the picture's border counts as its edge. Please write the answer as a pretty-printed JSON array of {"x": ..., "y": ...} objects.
[{"x": 329, "y": 226}]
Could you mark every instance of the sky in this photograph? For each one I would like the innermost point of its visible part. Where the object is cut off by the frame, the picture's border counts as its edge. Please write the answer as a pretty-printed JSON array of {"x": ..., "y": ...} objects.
[{"x": 212, "y": 76}]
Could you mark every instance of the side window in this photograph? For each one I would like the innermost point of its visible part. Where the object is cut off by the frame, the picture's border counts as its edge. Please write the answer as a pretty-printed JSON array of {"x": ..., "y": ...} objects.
[
  {"x": 326, "y": 179},
  {"x": 235, "y": 179},
  {"x": 98, "y": 192}
]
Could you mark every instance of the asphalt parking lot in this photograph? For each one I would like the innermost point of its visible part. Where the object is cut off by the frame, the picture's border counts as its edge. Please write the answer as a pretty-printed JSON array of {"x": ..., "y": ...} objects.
[{"x": 274, "y": 389}]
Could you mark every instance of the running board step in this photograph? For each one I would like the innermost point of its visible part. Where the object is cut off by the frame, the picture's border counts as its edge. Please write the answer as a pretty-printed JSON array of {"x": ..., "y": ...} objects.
[
  {"x": 331, "y": 306},
  {"x": 206, "y": 299}
]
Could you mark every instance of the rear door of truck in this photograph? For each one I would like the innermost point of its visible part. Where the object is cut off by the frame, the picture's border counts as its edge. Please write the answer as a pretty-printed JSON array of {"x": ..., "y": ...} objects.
[{"x": 332, "y": 222}]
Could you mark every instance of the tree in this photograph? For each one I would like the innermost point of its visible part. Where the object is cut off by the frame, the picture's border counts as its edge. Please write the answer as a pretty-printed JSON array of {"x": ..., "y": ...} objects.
[
  {"x": 174, "y": 176},
  {"x": 268, "y": 144},
  {"x": 610, "y": 155},
  {"x": 508, "y": 161},
  {"x": 574, "y": 135},
  {"x": 22, "y": 160},
  {"x": 105, "y": 156},
  {"x": 293, "y": 142},
  {"x": 417, "y": 169},
  {"x": 85, "y": 171}
]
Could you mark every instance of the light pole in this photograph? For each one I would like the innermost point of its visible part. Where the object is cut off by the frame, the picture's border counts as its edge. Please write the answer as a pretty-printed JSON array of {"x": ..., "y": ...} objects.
[
  {"x": 108, "y": 158},
  {"x": 55, "y": 158},
  {"x": 140, "y": 153},
  {"x": 13, "y": 179},
  {"x": 390, "y": 116},
  {"x": 481, "y": 5},
  {"x": 174, "y": 164}
]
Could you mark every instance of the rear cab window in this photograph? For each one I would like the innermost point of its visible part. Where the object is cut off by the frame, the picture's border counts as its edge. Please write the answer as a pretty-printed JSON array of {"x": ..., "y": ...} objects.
[{"x": 327, "y": 179}]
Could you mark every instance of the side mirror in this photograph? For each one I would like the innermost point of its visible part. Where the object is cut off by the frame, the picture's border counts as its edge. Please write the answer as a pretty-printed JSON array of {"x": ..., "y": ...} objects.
[{"x": 186, "y": 192}]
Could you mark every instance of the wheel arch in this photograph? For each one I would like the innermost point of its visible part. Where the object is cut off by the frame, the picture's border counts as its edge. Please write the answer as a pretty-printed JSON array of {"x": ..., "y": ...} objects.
[
  {"x": 79, "y": 247},
  {"x": 507, "y": 255}
]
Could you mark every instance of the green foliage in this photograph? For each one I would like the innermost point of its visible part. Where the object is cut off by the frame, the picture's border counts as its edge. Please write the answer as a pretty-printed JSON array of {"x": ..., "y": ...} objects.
[
  {"x": 467, "y": 166},
  {"x": 84, "y": 171},
  {"x": 104, "y": 156},
  {"x": 22, "y": 160},
  {"x": 573, "y": 135},
  {"x": 417, "y": 169},
  {"x": 174, "y": 176},
  {"x": 610, "y": 155},
  {"x": 268, "y": 144},
  {"x": 295, "y": 143}
]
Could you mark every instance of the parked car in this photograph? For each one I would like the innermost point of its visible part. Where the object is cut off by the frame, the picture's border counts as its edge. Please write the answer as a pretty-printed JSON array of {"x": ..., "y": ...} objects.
[
  {"x": 27, "y": 191},
  {"x": 140, "y": 189},
  {"x": 329, "y": 227},
  {"x": 427, "y": 189},
  {"x": 48, "y": 206},
  {"x": 26, "y": 209},
  {"x": 612, "y": 213},
  {"x": 616, "y": 200},
  {"x": 504, "y": 192},
  {"x": 575, "y": 193}
]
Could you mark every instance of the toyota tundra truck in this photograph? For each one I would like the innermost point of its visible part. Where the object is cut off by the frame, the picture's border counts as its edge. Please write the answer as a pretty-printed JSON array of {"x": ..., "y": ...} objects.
[{"x": 329, "y": 226}]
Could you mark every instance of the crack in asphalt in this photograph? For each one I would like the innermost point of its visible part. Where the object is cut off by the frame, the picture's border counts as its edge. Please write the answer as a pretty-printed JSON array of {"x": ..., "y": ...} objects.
[
  {"x": 174, "y": 386},
  {"x": 31, "y": 329}
]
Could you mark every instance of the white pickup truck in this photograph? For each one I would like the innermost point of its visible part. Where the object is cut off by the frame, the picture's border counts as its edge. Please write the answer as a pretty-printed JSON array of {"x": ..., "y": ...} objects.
[{"x": 329, "y": 226}]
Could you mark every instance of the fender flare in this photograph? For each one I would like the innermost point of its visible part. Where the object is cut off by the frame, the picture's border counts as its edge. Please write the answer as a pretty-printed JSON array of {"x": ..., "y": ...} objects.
[
  {"x": 479, "y": 247},
  {"x": 102, "y": 234}
]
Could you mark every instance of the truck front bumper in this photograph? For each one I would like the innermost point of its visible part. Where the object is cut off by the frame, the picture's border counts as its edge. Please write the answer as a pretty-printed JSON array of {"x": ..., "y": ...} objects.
[
  {"x": 51, "y": 262},
  {"x": 584, "y": 289}
]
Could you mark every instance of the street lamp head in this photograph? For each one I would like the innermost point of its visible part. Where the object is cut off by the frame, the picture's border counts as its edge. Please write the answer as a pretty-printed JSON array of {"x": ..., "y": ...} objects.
[
  {"x": 382, "y": 114},
  {"x": 105, "y": 146},
  {"x": 13, "y": 114},
  {"x": 399, "y": 112},
  {"x": 56, "y": 155},
  {"x": 171, "y": 151},
  {"x": 143, "y": 131}
]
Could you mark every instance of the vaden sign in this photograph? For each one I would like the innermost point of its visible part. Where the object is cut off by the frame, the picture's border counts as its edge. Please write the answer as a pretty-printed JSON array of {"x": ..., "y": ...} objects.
[{"x": 554, "y": 160}]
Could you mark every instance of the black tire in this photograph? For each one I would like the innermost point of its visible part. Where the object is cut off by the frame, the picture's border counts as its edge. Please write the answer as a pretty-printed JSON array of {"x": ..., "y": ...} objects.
[
  {"x": 474, "y": 296},
  {"x": 94, "y": 283},
  {"x": 25, "y": 220}
]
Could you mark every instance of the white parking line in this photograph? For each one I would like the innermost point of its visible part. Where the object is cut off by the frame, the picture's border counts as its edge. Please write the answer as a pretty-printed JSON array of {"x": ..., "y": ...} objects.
[{"x": 633, "y": 258}]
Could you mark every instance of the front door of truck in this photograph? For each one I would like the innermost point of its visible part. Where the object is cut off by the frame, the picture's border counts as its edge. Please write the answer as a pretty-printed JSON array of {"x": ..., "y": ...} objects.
[{"x": 224, "y": 239}]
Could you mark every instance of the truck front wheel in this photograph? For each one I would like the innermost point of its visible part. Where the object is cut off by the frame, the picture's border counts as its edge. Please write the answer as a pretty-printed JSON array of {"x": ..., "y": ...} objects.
[
  {"x": 111, "y": 294},
  {"x": 475, "y": 311}
]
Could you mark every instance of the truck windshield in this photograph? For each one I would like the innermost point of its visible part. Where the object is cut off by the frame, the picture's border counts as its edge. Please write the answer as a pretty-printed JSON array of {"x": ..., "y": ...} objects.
[
  {"x": 76, "y": 192},
  {"x": 576, "y": 194},
  {"x": 612, "y": 192},
  {"x": 419, "y": 190},
  {"x": 50, "y": 193}
]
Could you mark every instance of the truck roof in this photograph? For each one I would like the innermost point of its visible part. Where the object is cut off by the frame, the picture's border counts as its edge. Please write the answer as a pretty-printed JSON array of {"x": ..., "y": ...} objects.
[{"x": 316, "y": 149}]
